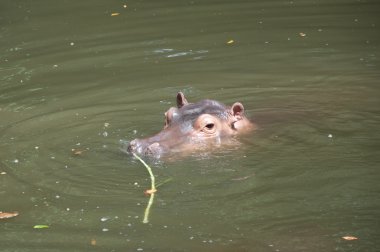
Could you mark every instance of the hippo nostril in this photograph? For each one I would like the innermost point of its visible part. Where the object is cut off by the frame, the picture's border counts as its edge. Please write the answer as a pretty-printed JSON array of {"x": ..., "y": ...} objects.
[{"x": 132, "y": 146}]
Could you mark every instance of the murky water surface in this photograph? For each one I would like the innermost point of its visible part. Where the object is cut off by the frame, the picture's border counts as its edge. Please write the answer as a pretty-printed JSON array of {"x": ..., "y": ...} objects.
[{"x": 87, "y": 75}]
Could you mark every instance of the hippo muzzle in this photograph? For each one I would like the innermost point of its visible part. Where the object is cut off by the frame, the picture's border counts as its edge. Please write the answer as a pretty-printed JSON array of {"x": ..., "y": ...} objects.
[{"x": 142, "y": 148}]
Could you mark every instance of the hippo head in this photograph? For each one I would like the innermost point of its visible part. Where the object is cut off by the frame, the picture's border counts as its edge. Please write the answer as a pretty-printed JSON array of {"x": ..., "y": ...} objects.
[{"x": 193, "y": 126}]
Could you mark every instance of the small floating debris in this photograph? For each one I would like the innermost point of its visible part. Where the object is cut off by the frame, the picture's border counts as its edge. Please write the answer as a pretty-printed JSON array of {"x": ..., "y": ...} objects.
[
  {"x": 302, "y": 34},
  {"x": 115, "y": 14},
  {"x": 40, "y": 226},
  {"x": 230, "y": 42},
  {"x": 330, "y": 136},
  {"x": 7, "y": 215},
  {"x": 77, "y": 152},
  {"x": 350, "y": 238}
]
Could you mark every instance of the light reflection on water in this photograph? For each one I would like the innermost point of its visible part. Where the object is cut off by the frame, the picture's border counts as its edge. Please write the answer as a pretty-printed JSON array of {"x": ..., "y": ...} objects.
[{"x": 76, "y": 79}]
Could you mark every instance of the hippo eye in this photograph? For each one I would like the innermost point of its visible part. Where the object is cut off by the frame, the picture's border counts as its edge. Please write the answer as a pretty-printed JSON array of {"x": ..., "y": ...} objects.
[
  {"x": 207, "y": 124},
  {"x": 210, "y": 126}
]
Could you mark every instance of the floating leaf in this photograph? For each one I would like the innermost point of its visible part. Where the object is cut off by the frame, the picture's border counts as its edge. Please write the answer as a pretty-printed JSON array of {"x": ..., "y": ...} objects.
[
  {"x": 7, "y": 215},
  {"x": 230, "y": 42},
  {"x": 93, "y": 242},
  {"x": 349, "y": 238},
  {"x": 41, "y": 226},
  {"x": 150, "y": 191},
  {"x": 77, "y": 152}
]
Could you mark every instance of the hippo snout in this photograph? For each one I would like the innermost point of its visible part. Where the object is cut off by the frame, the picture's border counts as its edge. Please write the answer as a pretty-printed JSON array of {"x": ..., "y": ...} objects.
[
  {"x": 133, "y": 146},
  {"x": 140, "y": 147}
]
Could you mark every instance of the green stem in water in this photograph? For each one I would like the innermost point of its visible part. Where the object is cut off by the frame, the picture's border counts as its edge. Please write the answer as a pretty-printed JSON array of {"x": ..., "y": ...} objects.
[
  {"x": 151, "y": 191},
  {"x": 152, "y": 178},
  {"x": 147, "y": 209}
]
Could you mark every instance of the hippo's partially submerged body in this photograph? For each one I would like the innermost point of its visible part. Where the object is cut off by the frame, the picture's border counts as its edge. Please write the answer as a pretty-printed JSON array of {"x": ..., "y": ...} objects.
[{"x": 194, "y": 126}]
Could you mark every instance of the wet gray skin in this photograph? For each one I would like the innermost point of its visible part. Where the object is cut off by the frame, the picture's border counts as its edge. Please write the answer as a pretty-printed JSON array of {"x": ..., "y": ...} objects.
[{"x": 193, "y": 126}]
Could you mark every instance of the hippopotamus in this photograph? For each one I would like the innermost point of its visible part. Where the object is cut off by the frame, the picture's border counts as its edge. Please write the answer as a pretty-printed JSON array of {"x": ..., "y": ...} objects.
[{"x": 194, "y": 126}]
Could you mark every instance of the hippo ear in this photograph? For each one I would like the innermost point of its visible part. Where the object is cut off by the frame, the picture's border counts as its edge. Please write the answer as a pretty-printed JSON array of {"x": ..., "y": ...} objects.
[
  {"x": 237, "y": 109},
  {"x": 181, "y": 100}
]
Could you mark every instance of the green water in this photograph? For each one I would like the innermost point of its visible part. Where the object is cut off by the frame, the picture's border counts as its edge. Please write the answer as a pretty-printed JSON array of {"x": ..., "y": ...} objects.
[{"x": 72, "y": 76}]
